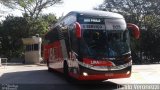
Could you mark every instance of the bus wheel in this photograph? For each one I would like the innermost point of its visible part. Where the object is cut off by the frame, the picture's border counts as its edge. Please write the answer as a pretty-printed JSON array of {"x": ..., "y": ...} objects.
[
  {"x": 49, "y": 69},
  {"x": 65, "y": 70}
]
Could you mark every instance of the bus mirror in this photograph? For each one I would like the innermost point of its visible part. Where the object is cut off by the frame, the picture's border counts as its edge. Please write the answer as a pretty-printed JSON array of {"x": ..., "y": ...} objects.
[
  {"x": 78, "y": 30},
  {"x": 134, "y": 30}
]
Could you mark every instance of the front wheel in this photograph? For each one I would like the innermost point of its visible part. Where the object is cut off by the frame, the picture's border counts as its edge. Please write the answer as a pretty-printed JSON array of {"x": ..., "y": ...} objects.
[
  {"x": 65, "y": 70},
  {"x": 49, "y": 69}
]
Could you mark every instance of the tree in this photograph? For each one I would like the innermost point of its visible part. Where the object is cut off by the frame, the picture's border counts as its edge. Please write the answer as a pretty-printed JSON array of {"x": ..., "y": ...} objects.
[
  {"x": 13, "y": 29},
  {"x": 31, "y": 8},
  {"x": 0, "y": 38}
]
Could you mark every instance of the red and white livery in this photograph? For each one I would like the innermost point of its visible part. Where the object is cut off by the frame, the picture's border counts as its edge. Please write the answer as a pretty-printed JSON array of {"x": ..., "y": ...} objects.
[{"x": 90, "y": 45}]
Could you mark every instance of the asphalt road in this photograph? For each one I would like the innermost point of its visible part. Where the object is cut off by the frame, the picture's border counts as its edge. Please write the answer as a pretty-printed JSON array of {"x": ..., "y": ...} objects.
[{"x": 36, "y": 77}]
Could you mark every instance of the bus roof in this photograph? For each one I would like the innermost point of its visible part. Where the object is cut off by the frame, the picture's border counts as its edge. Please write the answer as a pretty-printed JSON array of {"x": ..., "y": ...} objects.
[
  {"x": 97, "y": 13},
  {"x": 91, "y": 13}
]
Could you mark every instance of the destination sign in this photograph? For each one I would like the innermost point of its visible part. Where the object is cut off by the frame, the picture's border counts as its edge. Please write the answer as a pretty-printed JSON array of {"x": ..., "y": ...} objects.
[
  {"x": 115, "y": 24},
  {"x": 102, "y": 23},
  {"x": 89, "y": 20},
  {"x": 93, "y": 26},
  {"x": 92, "y": 20}
]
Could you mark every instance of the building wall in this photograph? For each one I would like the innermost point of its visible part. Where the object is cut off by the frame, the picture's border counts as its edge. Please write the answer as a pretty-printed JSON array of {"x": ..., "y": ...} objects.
[{"x": 33, "y": 50}]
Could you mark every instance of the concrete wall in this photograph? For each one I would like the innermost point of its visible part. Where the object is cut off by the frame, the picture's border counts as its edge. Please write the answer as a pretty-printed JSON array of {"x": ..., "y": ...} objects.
[{"x": 32, "y": 57}]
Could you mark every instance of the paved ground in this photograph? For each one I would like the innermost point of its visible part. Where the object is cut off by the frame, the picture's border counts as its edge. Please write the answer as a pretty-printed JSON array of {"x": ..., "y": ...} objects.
[
  {"x": 142, "y": 74},
  {"x": 32, "y": 77}
]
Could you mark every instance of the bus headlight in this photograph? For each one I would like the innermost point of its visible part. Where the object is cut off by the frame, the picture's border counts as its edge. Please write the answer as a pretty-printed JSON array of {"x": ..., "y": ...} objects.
[
  {"x": 85, "y": 74},
  {"x": 128, "y": 72}
]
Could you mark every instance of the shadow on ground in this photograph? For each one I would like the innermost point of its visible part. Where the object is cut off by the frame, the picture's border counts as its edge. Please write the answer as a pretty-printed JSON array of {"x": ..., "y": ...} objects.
[{"x": 44, "y": 80}]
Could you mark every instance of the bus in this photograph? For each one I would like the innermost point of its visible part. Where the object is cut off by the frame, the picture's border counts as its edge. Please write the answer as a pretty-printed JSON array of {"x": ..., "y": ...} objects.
[{"x": 90, "y": 45}]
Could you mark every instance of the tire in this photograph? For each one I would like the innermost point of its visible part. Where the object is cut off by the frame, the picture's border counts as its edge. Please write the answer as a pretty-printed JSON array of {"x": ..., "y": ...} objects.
[
  {"x": 65, "y": 70},
  {"x": 49, "y": 69},
  {"x": 66, "y": 73},
  {"x": 47, "y": 62}
]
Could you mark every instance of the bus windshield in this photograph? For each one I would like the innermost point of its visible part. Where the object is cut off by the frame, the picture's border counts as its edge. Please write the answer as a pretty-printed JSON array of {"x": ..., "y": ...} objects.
[
  {"x": 105, "y": 43},
  {"x": 103, "y": 37}
]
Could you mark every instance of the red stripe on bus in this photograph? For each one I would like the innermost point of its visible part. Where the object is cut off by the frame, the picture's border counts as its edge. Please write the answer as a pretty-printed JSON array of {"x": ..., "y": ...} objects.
[
  {"x": 100, "y": 77},
  {"x": 103, "y": 77}
]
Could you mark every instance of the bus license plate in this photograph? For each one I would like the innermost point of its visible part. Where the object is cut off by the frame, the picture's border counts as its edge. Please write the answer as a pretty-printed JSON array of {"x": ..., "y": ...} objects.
[{"x": 109, "y": 74}]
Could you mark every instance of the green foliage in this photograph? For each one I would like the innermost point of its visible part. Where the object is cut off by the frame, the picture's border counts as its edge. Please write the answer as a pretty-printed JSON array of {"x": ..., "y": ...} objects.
[
  {"x": 31, "y": 8},
  {"x": 50, "y": 18},
  {"x": 37, "y": 27},
  {"x": 13, "y": 29}
]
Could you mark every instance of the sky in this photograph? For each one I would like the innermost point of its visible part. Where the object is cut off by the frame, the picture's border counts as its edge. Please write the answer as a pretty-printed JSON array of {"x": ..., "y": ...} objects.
[
  {"x": 59, "y": 10},
  {"x": 72, "y": 5}
]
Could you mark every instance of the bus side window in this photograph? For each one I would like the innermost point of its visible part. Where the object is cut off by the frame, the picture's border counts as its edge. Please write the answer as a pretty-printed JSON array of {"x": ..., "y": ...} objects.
[{"x": 53, "y": 36}]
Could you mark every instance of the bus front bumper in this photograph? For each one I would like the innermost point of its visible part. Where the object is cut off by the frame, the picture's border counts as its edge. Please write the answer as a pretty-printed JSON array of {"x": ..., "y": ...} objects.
[{"x": 87, "y": 74}]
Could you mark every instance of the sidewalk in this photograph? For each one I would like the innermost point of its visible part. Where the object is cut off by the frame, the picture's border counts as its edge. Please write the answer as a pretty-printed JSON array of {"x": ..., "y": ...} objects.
[{"x": 12, "y": 65}]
